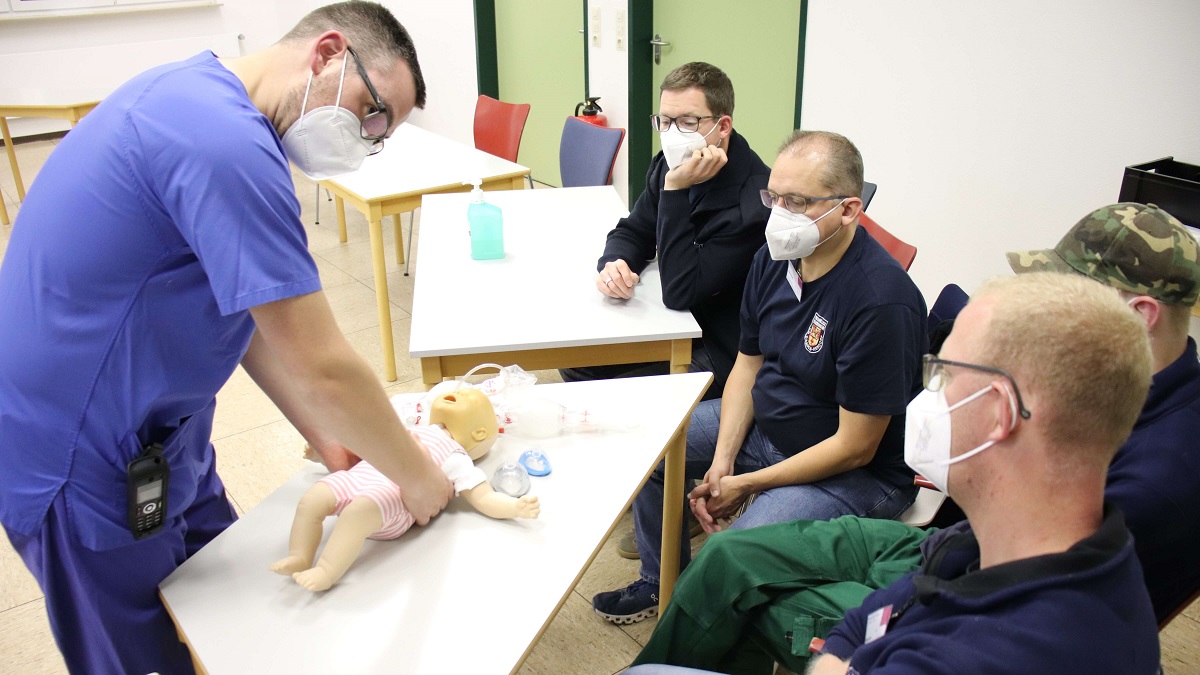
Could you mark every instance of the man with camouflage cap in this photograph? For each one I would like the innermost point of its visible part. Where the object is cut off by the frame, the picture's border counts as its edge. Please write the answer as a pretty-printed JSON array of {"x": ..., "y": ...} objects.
[
  {"x": 818, "y": 570},
  {"x": 1154, "y": 262}
]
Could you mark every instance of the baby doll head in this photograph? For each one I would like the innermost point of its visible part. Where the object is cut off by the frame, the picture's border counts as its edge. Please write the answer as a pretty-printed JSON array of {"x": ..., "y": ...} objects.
[{"x": 468, "y": 417}]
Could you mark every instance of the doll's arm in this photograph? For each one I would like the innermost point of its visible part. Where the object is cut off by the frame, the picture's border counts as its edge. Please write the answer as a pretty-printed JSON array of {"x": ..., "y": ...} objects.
[{"x": 498, "y": 505}]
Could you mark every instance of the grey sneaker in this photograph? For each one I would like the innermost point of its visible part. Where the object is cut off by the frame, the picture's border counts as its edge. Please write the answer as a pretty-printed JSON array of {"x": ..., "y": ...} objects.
[{"x": 627, "y": 545}]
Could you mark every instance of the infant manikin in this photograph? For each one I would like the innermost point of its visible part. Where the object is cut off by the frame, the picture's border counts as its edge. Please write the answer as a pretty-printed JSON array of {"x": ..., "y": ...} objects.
[{"x": 369, "y": 506}]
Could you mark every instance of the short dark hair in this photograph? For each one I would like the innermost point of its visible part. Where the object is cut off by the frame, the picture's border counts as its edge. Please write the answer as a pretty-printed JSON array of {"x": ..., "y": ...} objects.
[
  {"x": 376, "y": 35},
  {"x": 718, "y": 90},
  {"x": 843, "y": 170}
]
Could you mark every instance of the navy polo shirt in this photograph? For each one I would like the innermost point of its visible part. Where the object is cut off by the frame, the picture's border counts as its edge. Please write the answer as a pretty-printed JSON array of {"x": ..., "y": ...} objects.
[{"x": 853, "y": 339}]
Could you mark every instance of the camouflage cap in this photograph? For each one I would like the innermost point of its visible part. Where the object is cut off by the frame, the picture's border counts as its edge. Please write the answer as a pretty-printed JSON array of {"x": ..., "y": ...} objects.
[{"x": 1137, "y": 248}]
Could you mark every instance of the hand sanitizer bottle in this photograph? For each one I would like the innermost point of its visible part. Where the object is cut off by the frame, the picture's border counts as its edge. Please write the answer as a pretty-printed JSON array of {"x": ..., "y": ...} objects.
[{"x": 487, "y": 226}]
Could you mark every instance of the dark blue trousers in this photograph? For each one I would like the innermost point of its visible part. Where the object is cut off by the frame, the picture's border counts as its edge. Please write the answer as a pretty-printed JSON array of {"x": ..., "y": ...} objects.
[{"x": 104, "y": 608}]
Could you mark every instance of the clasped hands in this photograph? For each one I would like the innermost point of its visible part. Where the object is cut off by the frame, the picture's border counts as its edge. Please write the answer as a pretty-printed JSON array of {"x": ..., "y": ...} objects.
[{"x": 718, "y": 497}]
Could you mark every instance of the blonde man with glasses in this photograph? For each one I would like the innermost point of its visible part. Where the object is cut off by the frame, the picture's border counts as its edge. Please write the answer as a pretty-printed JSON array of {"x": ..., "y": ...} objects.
[
  {"x": 160, "y": 247},
  {"x": 785, "y": 584}
]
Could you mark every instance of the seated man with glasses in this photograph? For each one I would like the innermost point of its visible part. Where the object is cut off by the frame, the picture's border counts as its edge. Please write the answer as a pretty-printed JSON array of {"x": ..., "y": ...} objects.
[
  {"x": 782, "y": 585},
  {"x": 160, "y": 248},
  {"x": 812, "y": 418},
  {"x": 700, "y": 216}
]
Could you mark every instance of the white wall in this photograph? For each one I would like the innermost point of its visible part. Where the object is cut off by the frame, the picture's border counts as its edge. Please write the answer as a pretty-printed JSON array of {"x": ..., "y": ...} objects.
[
  {"x": 992, "y": 127},
  {"x": 77, "y": 51},
  {"x": 608, "y": 77},
  {"x": 101, "y": 51},
  {"x": 444, "y": 33}
]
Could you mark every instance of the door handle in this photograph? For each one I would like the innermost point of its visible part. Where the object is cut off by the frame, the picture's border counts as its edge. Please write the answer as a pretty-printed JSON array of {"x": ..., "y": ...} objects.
[{"x": 658, "y": 43}]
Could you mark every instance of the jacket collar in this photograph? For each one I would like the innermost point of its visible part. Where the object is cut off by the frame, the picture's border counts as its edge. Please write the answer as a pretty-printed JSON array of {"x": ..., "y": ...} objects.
[{"x": 953, "y": 567}]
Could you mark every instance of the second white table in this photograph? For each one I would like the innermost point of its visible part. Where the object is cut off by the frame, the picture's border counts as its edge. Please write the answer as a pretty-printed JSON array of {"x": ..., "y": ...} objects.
[{"x": 538, "y": 306}]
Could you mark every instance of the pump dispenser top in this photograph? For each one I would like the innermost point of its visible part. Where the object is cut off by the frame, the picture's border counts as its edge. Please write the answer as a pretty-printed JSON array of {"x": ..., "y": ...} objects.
[{"x": 476, "y": 191}]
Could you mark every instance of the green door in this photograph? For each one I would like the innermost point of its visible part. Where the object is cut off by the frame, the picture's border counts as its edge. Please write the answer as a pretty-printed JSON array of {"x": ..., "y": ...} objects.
[
  {"x": 539, "y": 61},
  {"x": 757, "y": 44}
]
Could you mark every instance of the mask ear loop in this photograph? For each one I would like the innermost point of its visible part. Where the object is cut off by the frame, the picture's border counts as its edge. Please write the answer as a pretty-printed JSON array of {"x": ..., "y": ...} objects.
[
  {"x": 1012, "y": 405},
  {"x": 304, "y": 104},
  {"x": 345, "y": 60}
]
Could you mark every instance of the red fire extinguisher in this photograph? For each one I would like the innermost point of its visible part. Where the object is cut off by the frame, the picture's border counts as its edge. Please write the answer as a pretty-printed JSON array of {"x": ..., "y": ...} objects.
[{"x": 591, "y": 112}]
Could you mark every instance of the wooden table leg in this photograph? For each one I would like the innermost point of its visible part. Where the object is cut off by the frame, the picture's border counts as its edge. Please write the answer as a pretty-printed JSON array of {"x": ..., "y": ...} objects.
[
  {"x": 672, "y": 516},
  {"x": 681, "y": 355},
  {"x": 381, "y": 292},
  {"x": 12, "y": 161},
  {"x": 431, "y": 371},
  {"x": 340, "y": 205},
  {"x": 398, "y": 231}
]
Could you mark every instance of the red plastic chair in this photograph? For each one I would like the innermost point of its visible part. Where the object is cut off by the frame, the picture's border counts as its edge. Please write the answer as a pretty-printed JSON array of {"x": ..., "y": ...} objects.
[
  {"x": 499, "y": 126},
  {"x": 902, "y": 252}
]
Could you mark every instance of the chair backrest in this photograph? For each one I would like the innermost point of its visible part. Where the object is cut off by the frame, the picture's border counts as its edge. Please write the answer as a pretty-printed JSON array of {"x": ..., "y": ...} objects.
[
  {"x": 1178, "y": 610},
  {"x": 941, "y": 316},
  {"x": 902, "y": 252},
  {"x": 499, "y": 126},
  {"x": 868, "y": 192},
  {"x": 924, "y": 509},
  {"x": 947, "y": 306},
  {"x": 587, "y": 153}
]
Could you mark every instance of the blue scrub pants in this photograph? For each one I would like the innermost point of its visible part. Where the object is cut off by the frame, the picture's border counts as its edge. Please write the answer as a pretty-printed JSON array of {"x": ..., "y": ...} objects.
[{"x": 104, "y": 608}]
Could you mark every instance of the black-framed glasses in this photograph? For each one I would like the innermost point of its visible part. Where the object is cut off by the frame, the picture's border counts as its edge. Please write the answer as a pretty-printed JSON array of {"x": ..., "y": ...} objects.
[
  {"x": 375, "y": 125},
  {"x": 935, "y": 378},
  {"x": 682, "y": 123},
  {"x": 793, "y": 203}
]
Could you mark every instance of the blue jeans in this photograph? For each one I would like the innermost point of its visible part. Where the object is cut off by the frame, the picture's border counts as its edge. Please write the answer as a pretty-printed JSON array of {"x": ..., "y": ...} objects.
[{"x": 856, "y": 492}]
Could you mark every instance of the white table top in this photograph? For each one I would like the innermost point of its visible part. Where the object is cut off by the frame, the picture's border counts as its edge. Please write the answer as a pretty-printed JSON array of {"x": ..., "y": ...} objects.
[
  {"x": 434, "y": 600},
  {"x": 542, "y": 294},
  {"x": 416, "y": 160},
  {"x": 29, "y": 97}
]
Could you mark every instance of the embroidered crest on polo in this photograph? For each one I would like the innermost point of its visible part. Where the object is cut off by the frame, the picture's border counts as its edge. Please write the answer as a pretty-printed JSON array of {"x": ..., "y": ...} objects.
[{"x": 815, "y": 338}]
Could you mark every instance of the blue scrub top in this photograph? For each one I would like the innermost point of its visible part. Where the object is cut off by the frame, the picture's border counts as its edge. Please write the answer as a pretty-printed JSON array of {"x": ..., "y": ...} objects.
[{"x": 153, "y": 227}]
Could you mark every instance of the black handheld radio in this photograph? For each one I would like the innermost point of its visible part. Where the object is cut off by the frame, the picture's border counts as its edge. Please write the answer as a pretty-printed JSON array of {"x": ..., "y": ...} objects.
[{"x": 146, "y": 483}]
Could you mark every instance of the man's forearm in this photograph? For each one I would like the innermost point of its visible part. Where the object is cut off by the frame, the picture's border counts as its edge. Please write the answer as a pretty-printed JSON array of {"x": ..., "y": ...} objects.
[
  {"x": 327, "y": 388},
  {"x": 825, "y": 459},
  {"x": 852, "y": 446},
  {"x": 264, "y": 368},
  {"x": 737, "y": 407}
]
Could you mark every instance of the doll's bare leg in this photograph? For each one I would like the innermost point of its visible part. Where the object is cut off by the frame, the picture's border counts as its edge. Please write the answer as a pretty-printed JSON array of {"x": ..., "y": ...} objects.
[
  {"x": 360, "y": 519},
  {"x": 316, "y": 505}
]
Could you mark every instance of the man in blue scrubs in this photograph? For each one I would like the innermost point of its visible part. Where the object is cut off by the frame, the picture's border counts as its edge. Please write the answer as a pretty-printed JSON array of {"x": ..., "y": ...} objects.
[{"x": 160, "y": 247}]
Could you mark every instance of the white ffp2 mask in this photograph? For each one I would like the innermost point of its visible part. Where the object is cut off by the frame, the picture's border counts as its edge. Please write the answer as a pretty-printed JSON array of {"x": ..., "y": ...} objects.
[
  {"x": 327, "y": 141},
  {"x": 794, "y": 235},
  {"x": 678, "y": 145},
  {"x": 927, "y": 435}
]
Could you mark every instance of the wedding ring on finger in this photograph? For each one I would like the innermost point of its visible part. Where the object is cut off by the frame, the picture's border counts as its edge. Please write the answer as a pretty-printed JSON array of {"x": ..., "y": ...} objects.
[{"x": 607, "y": 282}]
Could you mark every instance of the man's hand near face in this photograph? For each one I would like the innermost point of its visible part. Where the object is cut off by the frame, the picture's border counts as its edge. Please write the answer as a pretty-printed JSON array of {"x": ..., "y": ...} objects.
[{"x": 703, "y": 165}]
